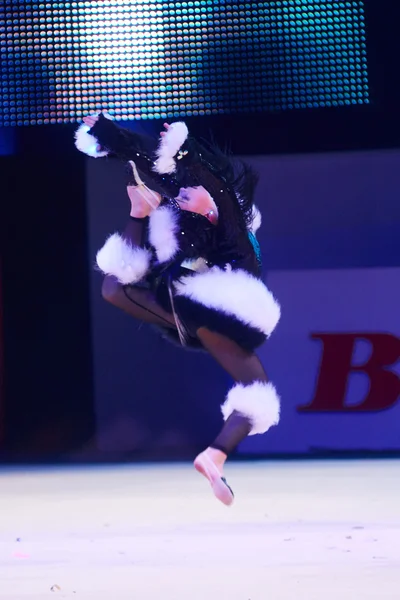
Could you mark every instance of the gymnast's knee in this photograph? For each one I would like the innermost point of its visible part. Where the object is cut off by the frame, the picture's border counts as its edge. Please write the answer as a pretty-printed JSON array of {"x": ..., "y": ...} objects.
[{"x": 110, "y": 289}]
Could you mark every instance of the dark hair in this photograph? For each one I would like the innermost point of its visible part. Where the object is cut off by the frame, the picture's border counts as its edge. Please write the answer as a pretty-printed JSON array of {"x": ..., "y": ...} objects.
[{"x": 238, "y": 175}]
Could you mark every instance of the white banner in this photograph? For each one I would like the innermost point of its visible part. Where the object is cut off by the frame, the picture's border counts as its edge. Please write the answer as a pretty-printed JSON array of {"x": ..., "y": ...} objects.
[{"x": 335, "y": 359}]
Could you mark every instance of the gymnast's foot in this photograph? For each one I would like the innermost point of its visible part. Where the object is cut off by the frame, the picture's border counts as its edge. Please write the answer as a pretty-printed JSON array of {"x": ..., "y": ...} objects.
[{"x": 210, "y": 463}]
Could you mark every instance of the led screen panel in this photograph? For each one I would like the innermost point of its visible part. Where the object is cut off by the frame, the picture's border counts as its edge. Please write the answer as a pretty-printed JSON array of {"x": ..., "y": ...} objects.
[{"x": 146, "y": 59}]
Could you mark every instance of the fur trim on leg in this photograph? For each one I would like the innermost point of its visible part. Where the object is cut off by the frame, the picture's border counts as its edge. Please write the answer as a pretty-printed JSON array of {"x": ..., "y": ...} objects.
[
  {"x": 259, "y": 402},
  {"x": 163, "y": 232},
  {"x": 169, "y": 147},
  {"x": 234, "y": 293},
  {"x": 127, "y": 263},
  {"x": 87, "y": 143}
]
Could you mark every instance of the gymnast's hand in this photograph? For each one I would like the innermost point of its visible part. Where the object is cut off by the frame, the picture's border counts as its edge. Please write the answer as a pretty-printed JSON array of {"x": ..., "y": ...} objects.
[
  {"x": 198, "y": 200},
  {"x": 91, "y": 120},
  {"x": 166, "y": 126},
  {"x": 142, "y": 201}
]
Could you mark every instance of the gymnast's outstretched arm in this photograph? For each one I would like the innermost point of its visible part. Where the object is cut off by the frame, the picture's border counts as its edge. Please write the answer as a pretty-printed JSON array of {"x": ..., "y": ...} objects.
[{"x": 99, "y": 136}]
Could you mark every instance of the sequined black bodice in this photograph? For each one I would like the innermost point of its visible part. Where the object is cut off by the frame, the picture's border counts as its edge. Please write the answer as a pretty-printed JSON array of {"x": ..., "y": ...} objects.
[
  {"x": 198, "y": 238},
  {"x": 196, "y": 235}
]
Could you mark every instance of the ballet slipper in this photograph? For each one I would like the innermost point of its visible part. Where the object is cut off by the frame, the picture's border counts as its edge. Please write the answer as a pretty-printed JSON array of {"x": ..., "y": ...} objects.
[{"x": 204, "y": 465}]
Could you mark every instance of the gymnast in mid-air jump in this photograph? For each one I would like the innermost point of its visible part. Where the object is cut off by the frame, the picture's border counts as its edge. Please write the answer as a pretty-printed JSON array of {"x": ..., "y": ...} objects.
[{"x": 189, "y": 263}]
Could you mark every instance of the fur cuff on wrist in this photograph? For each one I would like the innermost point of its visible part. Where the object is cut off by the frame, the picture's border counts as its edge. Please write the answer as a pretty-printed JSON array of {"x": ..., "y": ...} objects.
[
  {"x": 87, "y": 143},
  {"x": 129, "y": 264},
  {"x": 259, "y": 402},
  {"x": 169, "y": 147}
]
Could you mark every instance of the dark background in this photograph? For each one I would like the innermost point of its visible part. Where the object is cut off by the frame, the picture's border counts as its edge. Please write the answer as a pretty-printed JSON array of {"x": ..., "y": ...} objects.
[{"x": 47, "y": 406}]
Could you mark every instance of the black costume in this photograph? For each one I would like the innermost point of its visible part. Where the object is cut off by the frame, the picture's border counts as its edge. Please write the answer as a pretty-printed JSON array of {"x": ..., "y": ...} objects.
[{"x": 204, "y": 275}]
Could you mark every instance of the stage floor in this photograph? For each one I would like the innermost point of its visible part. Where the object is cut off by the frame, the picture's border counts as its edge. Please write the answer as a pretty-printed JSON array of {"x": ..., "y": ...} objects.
[{"x": 297, "y": 531}]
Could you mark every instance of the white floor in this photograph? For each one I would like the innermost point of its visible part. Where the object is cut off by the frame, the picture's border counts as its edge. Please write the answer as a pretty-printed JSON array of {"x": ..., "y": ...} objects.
[{"x": 297, "y": 531}]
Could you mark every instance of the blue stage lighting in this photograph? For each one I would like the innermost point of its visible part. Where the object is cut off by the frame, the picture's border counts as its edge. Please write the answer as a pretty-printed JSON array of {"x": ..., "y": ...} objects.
[{"x": 160, "y": 58}]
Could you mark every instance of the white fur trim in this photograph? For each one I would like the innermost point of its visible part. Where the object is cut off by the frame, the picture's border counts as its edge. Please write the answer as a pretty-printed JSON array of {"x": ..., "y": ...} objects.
[
  {"x": 163, "y": 232},
  {"x": 235, "y": 293},
  {"x": 257, "y": 220},
  {"x": 87, "y": 143},
  {"x": 169, "y": 147},
  {"x": 258, "y": 401},
  {"x": 127, "y": 263}
]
